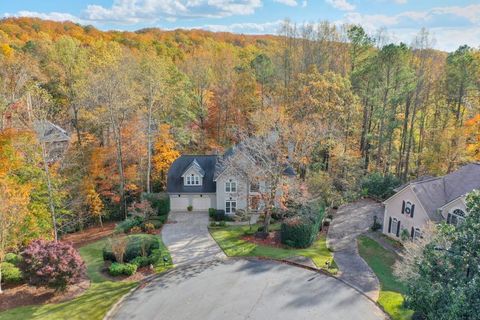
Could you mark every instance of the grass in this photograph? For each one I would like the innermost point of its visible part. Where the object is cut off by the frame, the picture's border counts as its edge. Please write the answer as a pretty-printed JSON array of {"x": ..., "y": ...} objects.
[
  {"x": 391, "y": 290},
  {"x": 162, "y": 265},
  {"x": 231, "y": 242}
]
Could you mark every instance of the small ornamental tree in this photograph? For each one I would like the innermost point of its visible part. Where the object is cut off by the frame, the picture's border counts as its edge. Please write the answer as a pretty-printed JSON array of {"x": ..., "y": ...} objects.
[{"x": 52, "y": 264}]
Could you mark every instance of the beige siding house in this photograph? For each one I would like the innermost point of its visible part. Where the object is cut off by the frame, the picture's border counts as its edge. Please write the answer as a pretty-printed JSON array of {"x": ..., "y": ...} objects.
[{"x": 430, "y": 199}]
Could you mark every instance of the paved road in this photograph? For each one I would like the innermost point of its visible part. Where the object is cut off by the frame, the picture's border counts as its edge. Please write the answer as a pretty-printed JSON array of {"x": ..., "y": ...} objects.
[
  {"x": 188, "y": 240},
  {"x": 350, "y": 221},
  {"x": 242, "y": 289}
]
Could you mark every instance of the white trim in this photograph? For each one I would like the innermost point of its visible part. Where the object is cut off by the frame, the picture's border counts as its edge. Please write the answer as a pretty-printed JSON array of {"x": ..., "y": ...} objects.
[
  {"x": 449, "y": 203},
  {"x": 231, "y": 201},
  {"x": 231, "y": 181}
]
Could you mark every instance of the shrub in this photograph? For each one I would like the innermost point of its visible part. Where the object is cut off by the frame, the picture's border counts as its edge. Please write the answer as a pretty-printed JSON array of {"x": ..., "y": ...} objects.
[
  {"x": 220, "y": 215},
  {"x": 141, "y": 261},
  {"x": 190, "y": 208},
  {"x": 379, "y": 186},
  {"x": 137, "y": 246},
  {"x": 160, "y": 202},
  {"x": 211, "y": 212},
  {"x": 222, "y": 224},
  {"x": 118, "y": 244},
  {"x": 13, "y": 258},
  {"x": 300, "y": 231},
  {"x": 148, "y": 227},
  {"x": 213, "y": 224},
  {"x": 136, "y": 229},
  {"x": 126, "y": 225},
  {"x": 51, "y": 264},
  {"x": 117, "y": 269},
  {"x": 10, "y": 273},
  {"x": 376, "y": 225},
  {"x": 157, "y": 224}
]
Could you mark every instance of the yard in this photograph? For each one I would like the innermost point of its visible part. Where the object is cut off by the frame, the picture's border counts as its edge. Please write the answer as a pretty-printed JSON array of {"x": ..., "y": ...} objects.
[
  {"x": 381, "y": 262},
  {"x": 230, "y": 240},
  {"x": 95, "y": 302}
]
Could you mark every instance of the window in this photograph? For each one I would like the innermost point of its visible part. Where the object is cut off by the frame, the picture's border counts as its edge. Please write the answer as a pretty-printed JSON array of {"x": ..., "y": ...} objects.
[
  {"x": 456, "y": 218},
  {"x": 408, "y": 208},
  {"x": 417, "y": 234},
  {"x": 231, "y": 186},
  {"x": 394, "y": 226},
  {"x": 230, "y": 206},
  {"x": 192, "y": 180}
]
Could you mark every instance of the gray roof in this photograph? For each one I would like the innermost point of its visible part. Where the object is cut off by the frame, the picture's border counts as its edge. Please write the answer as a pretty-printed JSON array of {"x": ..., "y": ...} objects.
[
  {"x": 434, "y": 193},
  {"x": 49, "y": 132},
  {"x": 175, "y": 181}
]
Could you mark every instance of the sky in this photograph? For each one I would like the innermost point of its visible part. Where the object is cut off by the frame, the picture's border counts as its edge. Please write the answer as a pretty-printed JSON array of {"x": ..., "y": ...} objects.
[{"x": 451, "y": 22}]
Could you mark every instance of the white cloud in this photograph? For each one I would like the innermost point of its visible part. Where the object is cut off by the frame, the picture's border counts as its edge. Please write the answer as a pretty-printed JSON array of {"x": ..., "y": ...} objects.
[
  {"x": 55, "y": 16},
  {"x": 291, "y": 3},
  {"x": 252, "y": 28},
  {"x": 341, "y": 4},
  {"x": 136, "y": 11}
]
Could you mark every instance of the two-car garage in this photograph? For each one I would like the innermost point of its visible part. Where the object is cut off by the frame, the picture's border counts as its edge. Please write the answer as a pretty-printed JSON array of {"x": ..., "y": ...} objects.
[{"x": 199, "y": 202}]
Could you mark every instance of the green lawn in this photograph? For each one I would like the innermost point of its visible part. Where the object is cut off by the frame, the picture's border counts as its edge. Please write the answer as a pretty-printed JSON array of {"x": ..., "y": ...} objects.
[
  {"x": 381, "y": 262},
  {"x": 230, "y": 240}
]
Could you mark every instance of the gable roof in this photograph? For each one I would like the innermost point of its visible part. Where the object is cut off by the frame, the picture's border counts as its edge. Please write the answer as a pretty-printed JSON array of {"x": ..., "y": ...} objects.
[
  {"x": 434, "y": 193},
  {"x": 207, "y": 163},
  {"x": 194, "y": 164},
  {"x": 49, "y": 132}
]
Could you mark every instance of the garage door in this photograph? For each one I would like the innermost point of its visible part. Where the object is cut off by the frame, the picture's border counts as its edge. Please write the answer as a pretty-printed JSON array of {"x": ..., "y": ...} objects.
[
  {"x": 202, "y": 203},
  {"x": 178, "y": 203}
]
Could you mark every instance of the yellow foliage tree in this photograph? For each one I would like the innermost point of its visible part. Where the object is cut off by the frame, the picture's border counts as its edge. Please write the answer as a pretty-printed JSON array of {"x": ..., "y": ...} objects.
[
  {"x": 92, "y": 200},
  {"x": 473, "y": 137},
  {"x": 164, "y": 154}
]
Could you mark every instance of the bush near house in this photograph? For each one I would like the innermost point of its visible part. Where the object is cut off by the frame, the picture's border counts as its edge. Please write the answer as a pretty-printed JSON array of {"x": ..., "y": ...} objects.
[
  {"x": 160, "y": 202},
  {"x": 51, "y": 264},
  {"x": 301, "y": 230},
  {"x": 220, "y": 215},
  {"x": 212, "y": 212},
  {"x": 128, "y": 224}
]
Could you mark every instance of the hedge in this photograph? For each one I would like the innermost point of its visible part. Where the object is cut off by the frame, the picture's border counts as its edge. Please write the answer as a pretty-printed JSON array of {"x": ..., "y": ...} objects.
[{"x": 301, "y": 230}]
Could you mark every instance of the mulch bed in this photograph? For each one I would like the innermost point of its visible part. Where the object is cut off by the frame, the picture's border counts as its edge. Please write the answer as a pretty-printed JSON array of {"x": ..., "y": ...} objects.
[
  {"x": 273, "y": 240},
  {"x": 87, "y": 236},
  {"x": 25, "y": 295}
]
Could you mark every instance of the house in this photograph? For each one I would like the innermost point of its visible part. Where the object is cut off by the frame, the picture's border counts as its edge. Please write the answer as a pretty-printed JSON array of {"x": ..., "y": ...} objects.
[
  {"x": 55, "y": 139},
  {"x": 430, "y": 199},
  {"x": 205, "y": 181}
]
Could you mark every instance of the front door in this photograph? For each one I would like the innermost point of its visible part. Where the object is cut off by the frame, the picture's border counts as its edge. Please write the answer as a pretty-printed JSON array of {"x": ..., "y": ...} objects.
[{"x": 230, "y": 206}]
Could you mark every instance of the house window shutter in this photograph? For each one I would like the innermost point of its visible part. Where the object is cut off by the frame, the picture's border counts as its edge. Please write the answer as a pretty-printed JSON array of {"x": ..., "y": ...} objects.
[
  {"x": 412, "y": 233},
  {"x": 403, "y": 207},
  {"x": 398, "y": 229},
  {"x": 390, "y": 225},
  {"x": 413, "y": 210}
]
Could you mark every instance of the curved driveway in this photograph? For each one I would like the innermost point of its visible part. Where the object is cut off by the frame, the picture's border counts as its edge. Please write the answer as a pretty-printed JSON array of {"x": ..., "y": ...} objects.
[
  {"x": 246, "y": 289},
  {"x": 188, "y": 240}
]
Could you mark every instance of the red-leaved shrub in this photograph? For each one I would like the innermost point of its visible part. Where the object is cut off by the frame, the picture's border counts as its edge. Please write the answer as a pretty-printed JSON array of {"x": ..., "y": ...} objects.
[{"x": 51, "y": 264}]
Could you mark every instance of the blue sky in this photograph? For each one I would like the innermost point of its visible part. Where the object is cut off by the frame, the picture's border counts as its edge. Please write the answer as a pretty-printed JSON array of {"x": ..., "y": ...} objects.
[{"x": 451, "y": 22}]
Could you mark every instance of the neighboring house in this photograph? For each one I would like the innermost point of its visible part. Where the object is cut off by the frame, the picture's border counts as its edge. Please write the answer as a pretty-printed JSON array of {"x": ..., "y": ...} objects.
[
  {"x": 430, "y": 199},
  {"x": 55, "y": 139},
  {"x": 203, "y": 182}
]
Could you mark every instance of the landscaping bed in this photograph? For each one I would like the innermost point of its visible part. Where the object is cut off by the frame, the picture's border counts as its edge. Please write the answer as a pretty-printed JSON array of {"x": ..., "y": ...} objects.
[
  {"x": 233, "y": 242},
  {"x": 381, "y": 261},
  {"x": 82, "y": 238}
]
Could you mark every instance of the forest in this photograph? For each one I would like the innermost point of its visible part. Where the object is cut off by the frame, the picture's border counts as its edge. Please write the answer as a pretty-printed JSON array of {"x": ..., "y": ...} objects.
[{"x": 354, "y": 104}]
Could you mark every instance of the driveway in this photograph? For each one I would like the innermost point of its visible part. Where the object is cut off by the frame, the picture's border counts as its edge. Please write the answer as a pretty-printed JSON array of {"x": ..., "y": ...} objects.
[
  {"x": 349, "y": 222},
  {"x": 246, "y": 289},
  {"x": 188, "y": 240}
]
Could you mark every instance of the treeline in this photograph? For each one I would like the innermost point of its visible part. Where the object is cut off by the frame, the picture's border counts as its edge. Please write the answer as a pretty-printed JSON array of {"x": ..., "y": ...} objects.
[{"x": 132, "y": 101}]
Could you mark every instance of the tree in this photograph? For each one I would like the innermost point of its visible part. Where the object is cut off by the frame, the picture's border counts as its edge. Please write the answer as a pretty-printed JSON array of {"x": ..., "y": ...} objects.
[
  {"x": 165, "y": 153},
  {"x": 263, "y": 68},
  {"x": 445, "y": 282},
  {"x": 14, "y": 198}
]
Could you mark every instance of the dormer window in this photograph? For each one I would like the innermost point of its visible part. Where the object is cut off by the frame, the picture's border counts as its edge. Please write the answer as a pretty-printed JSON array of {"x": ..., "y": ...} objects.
[
  {"x": 456, "y": 217},
  {"x": 192, "y": 180}
]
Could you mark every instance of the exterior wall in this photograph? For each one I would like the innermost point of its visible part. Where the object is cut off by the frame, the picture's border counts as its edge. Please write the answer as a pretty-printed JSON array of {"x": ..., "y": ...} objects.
[
  {"x": 456, "y": 204},
  {"x": 393, "y": 209},
  {"x": 188, "y": 200},
  {"x": 240, "y": 195}
]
